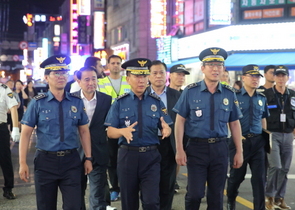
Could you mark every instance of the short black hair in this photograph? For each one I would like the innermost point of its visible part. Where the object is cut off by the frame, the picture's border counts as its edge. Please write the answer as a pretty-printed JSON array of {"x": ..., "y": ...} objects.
[
  {"x": 268, "y": 67},
  {"x": 114, "y": 56},
  {"x": 158, "y": 62},
  {"x": 91, "y": 61},
  {"x": 85, "y": 68}
]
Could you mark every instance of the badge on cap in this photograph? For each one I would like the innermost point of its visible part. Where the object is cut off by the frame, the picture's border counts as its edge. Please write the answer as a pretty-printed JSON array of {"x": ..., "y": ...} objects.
[
  {"x": 74, "y": 109},
  {"x": 199, "y": 113},
  {"x": 127, "y": 122},
  {"x": 260, "y": 103},
  {"x": 293, "y": 101},
  {"x": 153, "y": 107},
  {"x": 225, "y": 101},
  {"x": 10, "y": 95}
]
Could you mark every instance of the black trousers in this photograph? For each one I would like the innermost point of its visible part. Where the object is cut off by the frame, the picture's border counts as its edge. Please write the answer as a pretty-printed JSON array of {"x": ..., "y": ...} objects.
[
  {"x": 5, "y": 157},
  {"x": 53, "y": 172},
  {"x": 254, "y": 155},
  {"x": 167, "y": 174},
  {"x": 112, "y": 168}
]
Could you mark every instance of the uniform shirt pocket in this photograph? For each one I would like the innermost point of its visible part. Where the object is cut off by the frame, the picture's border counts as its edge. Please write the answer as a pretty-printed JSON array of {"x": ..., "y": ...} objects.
[
  {"x": 198, "y": 112},
  {"x": 224, "y": 113},
  {"x": 127, "y": 119},
  {"x": 50, "y": 121},
  {"x": 74, "y": 118},
  {"x": 152, "y": 119}
]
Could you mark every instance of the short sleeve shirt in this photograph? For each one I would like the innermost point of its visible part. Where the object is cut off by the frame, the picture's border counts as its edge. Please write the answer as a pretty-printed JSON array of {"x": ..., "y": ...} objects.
[
  {"x": 127, "y": 109},
  {"x": 7, "y": 101},
  {"x": 43, "y": 112},
  {"x": 207, "y": 114}
]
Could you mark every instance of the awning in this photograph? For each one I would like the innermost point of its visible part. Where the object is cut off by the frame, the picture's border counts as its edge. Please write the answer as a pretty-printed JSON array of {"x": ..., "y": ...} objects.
[{"x": 235, "y": 62}]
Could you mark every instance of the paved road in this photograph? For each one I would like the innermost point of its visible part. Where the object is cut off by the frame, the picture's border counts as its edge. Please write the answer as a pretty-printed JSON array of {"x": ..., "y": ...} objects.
[{"x": 26, "y": 193}]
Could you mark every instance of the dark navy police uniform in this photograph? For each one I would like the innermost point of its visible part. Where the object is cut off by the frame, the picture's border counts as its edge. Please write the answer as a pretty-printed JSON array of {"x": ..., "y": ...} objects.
[
  {"x": 207, "y": 116},
  {"x": 57, "y": 162},
  {"x": 253, "y": 109}
]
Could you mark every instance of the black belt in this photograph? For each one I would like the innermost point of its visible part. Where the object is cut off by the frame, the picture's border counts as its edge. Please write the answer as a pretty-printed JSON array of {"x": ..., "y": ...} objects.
[
  {"x": 209, "y": 140},
  {"x": 139, "y": 149},
  {"x": 58, "y": 153},
  {"x": 251, "y": 135},
  {"x": 3, "y": 123}
]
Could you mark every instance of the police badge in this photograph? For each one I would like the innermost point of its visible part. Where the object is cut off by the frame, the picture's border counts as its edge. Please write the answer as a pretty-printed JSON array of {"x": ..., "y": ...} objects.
[
  {"x": 199, "y": 113},
  {"x": 260, "y": 103},
  {"x": 127, "y": 122}
]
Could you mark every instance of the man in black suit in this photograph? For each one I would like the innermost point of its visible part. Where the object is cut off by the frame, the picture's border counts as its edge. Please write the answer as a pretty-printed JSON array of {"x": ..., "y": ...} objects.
[
  {"x": 169, "y": 97},
  {"x": 97, "y": 105}
]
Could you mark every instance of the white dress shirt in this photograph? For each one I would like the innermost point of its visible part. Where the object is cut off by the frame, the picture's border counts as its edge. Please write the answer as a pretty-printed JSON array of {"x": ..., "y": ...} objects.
[{"x": 89, "y": 105}]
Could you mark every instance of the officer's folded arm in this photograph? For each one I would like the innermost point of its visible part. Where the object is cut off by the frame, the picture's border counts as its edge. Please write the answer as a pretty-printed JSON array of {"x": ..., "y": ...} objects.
[{"x": 116, "y": 133}]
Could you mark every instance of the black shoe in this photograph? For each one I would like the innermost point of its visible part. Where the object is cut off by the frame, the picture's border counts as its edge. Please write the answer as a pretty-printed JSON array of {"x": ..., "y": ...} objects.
[
  {"x": 231, "y": 205},
  {"x": 176, "y": 187},
  {"x": 9, "y": 195}
]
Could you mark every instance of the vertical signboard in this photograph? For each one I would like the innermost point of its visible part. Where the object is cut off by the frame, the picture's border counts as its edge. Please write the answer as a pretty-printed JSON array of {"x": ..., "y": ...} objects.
[
  {"x": 99, "y": 30},
  {"x": 220, "y": 12},
  {"x": 158, "y": 18},
  {"x": 164, "y": 49},
  {"x": 84, "y": 7},
  {"x": 82, "y": 29}
]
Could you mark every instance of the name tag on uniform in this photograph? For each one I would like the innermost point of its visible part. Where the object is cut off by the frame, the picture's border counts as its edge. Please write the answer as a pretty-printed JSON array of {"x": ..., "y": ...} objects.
[
  {"x": 272, "y": 106},
  {"x": 283, "y": 117}
]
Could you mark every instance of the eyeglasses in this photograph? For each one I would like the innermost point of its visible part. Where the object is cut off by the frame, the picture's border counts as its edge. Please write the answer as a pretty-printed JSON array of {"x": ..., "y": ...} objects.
[
  {"x": 211, "y": 65},
  {"x": 59, "y": 74}
]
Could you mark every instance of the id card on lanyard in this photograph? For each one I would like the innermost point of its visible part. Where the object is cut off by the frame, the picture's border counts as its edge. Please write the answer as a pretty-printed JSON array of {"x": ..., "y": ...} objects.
[{"x": 282, "y": 105}]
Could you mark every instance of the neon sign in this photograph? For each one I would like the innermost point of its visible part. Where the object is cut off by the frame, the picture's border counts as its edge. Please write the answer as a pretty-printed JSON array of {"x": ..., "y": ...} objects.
[{"x": 158, "y": 18}]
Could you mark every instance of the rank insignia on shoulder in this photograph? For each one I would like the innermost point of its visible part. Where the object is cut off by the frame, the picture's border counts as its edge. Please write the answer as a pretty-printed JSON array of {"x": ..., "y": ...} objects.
[
  {"x": 5, "y": 86},
  {"x": 75, "y": 95},
  {"x": 122, "y": 96},
  {"x": 192, "y": 85},
  {"x": 164, "y": 110},
  {"x": 260, "y": 93},
  {"x": 10, "y": 95},
  {"x": 154, "y": 96},
  {"x": 38, "y": 97},
  {"x": 229, "y": 88}
]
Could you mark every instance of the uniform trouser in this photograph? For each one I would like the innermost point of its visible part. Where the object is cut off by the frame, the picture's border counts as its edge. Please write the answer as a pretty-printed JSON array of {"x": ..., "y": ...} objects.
[
  {"x": 53, "y": 172},
  {"x": 168, "y": 174},
  {"x": 139, "y": 171},
  {"x": 112, "y": 168},
  {"x": 254, "y": 155},
  {"x": 206, "y": 162},
  {"x": 279, "y": 161},
  {"x": 5, "y": 157}
]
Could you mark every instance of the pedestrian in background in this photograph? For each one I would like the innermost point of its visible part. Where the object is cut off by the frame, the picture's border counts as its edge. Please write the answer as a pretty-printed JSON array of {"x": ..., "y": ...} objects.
[{"x": 206, "y": 108}]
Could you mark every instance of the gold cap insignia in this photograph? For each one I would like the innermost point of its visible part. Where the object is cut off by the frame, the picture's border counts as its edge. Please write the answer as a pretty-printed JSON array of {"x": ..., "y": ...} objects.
[
  {"x": 142, "y": 63},
  {"x": 215, "y": 51},
  {"x": 61, "y": 59}
]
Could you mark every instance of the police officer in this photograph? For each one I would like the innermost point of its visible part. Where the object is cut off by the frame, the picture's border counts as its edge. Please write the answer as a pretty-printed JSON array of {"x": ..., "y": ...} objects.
[
  {"x": 58, "y": 116},
  {"x": 254, "y": 109},
  {"x": 135, "y": 118},
  {"x": 281, "y": 104},
  {"x": 7, "y": 101},
  {"x": 205, "y": 108}
]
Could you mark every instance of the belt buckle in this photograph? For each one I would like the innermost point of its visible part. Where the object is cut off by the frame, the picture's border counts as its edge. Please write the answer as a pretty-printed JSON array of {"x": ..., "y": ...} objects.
[
  {"x": 211, "y": 140},
  {"x": 60, "y": 153},
  {"x": 250, "y": 135},
  {"x": 142, "y": 149}
]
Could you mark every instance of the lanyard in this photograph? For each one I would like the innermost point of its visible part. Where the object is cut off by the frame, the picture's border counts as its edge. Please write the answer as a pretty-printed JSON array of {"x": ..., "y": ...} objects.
[{"x": 282, "y": 102}]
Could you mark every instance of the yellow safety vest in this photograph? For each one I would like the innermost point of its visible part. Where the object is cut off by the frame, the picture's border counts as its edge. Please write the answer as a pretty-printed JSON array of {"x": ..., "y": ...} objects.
[{"x": 105, "y": 86}]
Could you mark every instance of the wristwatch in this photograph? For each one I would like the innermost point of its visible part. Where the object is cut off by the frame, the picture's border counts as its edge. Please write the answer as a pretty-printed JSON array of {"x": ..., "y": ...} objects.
[{"x": 88, "y": 158}]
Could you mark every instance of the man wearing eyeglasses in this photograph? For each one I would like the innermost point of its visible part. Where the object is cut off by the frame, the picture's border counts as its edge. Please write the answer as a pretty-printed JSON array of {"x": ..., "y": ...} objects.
[
  {"x": 254, "y": 109},
  {"x": 58, "y": 116},
  {"x": 205, "y": 108}
]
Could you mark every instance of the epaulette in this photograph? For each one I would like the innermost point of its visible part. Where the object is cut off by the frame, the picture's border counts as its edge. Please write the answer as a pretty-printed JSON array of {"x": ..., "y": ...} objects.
[
  {"x": 5, "y": 86},
  {"x": 154, "y": 96},
  {"x": 192, "y": 85},
  {"x": 260, "y": 90},
  {"x": 229, "y": 88},
  {"x": 122, "y": 96},
  {"x": 259, "y": 93},
  {"x": 38, "y": 97},
  {"x": 237, "y": 91},
  {"x": 75, "y": 95}
]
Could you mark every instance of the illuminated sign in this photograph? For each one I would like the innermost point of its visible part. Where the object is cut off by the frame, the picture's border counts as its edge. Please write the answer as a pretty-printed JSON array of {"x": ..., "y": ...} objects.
[
  {"x": 55, "y": 18},
  {"x": 158, "y": 18},
  {"x": 84, "y": 7},
  {"x": 122, "y": 51},
  {"x": 99, "y": 30},
  {"x": 82, "y": 29},
  {"x": 239, "y": 37},
  {"x": 164, "y": 49},
  {"x": 179, "y": 14},
  {"x": 28, "y": 19},
  {"x": 98, "y": 5},
  {"x": 292, "y": 11},
  {"x": 263, "y": 13},
  {"x": 220, "y": 12},
  {"x": 73, "y": 28},
  {"x": 259, "y": 3}
]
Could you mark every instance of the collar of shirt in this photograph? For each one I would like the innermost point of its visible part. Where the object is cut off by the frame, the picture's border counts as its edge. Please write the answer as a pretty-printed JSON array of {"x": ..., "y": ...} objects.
[
  {"x": 131, "y": 93},
  {"x": 89, "y": 105},
  {"x": 204, "y": 87},
  {"x": 51, "y": 96},
  {"x": 84, "y": 98},
  {"x": 243, "y": 91},
  {"x": 164, "y": 91}
]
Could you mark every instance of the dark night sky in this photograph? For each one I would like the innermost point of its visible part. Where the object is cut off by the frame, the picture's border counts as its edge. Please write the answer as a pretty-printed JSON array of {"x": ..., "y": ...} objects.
[{"x": 18, "y": 8}]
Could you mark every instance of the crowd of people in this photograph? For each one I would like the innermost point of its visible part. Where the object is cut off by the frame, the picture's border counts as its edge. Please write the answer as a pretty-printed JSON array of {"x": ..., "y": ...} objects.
[{"x": 128, "y": 135}]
